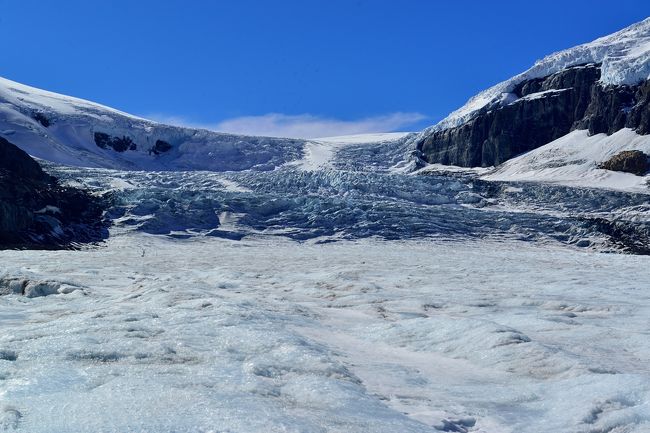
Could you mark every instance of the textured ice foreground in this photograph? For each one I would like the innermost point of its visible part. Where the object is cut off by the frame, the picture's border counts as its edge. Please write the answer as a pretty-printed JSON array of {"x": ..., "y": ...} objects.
[
  {"x": 333, "y": 295},
  {"x": 271, "y": 335}
]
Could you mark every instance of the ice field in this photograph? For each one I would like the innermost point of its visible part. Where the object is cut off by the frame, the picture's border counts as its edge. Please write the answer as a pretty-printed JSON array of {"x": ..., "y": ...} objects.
[
  {"x": 256, "y": 284},
  {"x": 271, "y": 335},
  {"x": 331, "y": 295}
]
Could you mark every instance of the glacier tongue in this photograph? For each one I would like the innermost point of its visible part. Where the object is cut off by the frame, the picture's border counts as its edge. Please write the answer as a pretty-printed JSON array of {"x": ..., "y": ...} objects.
[
  {"x": 349, "y": 199},
  {"x": 334, "y": 293},
  {"x": 316, "y": 286}
]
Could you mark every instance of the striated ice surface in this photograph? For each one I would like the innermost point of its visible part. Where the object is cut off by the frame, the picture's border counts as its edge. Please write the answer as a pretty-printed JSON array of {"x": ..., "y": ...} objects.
[{"x": 269, "y": 335}]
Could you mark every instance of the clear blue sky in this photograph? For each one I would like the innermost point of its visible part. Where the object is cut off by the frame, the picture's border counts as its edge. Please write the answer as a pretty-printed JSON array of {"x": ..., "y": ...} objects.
[{"x": 214, "y": 62}]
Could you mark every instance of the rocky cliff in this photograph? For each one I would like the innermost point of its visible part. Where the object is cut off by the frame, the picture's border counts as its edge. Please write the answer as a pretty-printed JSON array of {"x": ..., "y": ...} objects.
[
  {"x": 37, "y": 212},
  {"x": 538, "y": 111}
]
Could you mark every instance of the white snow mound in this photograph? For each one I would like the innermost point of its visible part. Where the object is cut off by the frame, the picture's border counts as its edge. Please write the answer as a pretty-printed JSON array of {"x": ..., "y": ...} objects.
[{"x": 573, "y": 160}]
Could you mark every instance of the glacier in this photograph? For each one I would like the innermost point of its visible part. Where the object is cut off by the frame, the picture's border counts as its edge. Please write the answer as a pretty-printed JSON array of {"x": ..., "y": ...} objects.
[
  {"x": 270, "y": 335},
  {"x": 260, "y": 284},
  {"x": 333, "y": 295}
]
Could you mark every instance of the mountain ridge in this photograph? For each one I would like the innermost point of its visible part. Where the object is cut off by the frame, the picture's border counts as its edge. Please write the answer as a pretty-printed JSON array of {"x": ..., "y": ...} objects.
[
  {"x": 618, "y": 51},
  {"x": 73, "y": 131},
  {"x": 601, "y": 86}
]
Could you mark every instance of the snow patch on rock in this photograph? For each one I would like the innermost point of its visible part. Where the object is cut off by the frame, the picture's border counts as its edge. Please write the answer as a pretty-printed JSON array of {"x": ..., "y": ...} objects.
[{"x": 573, "y": 160}]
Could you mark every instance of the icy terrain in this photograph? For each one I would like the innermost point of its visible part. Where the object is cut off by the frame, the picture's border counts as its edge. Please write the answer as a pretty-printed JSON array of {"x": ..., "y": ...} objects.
[
  {"x": 269, "y": 335},
  {"x": 325, "y": 286},
  {"x": 333, "y": 294},
  {"x": 62, "y": 129},
  {"x": 572, "y": 160}
]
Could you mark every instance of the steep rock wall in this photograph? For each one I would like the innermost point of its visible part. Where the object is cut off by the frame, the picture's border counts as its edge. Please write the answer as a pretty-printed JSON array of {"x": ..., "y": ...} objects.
[
  {"x": 537, "y": 112},
  {"x": 37, "y": 212}
]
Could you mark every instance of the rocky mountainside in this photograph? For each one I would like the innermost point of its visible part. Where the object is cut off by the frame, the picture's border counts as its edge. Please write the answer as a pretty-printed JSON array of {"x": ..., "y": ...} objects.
[
  {"x": 601, "y": 87},
  {"x": 35, "y": 211},
  {"x": 541, "y": 110}
]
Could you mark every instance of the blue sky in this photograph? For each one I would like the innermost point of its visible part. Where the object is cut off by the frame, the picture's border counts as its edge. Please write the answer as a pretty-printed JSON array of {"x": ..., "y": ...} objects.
[{"x": 307, "y": 67}]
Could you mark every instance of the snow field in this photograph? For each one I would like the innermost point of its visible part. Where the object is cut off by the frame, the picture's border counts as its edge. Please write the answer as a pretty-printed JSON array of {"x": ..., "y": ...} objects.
[{"x": 359, "y": 336}]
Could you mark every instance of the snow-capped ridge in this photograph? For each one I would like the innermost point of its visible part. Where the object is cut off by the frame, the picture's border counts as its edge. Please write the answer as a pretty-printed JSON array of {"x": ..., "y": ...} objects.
[
  {"x": 624, "y": 57},
  {"x": 77, "y": 132},
  {"x": 18, "y": 94}
]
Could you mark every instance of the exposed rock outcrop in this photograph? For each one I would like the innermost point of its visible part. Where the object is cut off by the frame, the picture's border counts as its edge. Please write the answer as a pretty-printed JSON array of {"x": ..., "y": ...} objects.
[
  {"x": 537, "y": 112},
  {"x": 161, "y": 146},
  {"x": 16, "y": 163},
  {"x": 629, "y": 161},
  {"x": 118, "y": 144},
  {"x": 37, "y": 212},
  {"x": 42, "y": 119}
]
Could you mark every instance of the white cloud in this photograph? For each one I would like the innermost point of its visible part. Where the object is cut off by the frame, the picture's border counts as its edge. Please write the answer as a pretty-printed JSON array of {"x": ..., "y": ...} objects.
[{"x": 303, "y": 125}]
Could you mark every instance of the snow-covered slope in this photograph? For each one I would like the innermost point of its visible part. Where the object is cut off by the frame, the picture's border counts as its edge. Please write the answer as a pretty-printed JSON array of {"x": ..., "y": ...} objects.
[
  {"x": 624, "y": 55},
  {"x": 573, "y": 160},
  {"x": 62, "y": 129},
  {"x": 557, "y": 121},
  {"x": 320, "y": 152}
]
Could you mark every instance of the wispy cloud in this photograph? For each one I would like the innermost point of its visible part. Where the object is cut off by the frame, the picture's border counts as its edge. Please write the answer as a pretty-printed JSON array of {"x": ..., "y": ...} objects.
[{"x": 302, "y": 125}]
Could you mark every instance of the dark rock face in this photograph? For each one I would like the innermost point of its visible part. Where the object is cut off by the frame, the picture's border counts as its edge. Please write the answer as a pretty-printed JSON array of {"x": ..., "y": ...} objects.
[
  {"x": 15, "y": 162},
  {"x": 544, "y": 109},
  {"x": 41, "y": 118},
  {"x": 161, "y": 146},
  {"x": 118, "y": 144},
  {"x": 36, "y": 212},
  {"x": 629, "y": 161}
]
